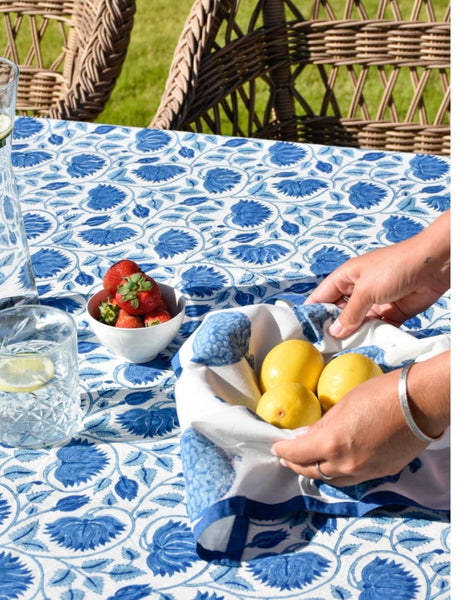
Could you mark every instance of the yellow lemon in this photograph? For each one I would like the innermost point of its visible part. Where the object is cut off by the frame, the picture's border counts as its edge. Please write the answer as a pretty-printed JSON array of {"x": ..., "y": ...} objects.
[
  {"x": 289, "y": 405},
  {"x": 291, "y": 361},
  {"x": 342, "y": 374},
  {"x": 25, "y": 372}
]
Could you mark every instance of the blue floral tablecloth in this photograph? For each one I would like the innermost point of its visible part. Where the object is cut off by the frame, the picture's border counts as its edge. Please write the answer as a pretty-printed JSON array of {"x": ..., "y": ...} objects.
[{"x": 231, "y": 222}]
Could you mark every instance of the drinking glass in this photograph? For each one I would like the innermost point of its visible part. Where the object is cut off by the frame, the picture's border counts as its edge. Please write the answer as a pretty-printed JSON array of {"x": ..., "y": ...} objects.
[
  {"x": 17, "y": 282},
  {"x": 39, "y": 376}
]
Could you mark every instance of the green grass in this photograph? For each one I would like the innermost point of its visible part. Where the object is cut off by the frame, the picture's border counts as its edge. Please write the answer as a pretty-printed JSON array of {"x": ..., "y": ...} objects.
[
  {"x": 158, "y": 24},
  {"x": 136, "y": 97}
]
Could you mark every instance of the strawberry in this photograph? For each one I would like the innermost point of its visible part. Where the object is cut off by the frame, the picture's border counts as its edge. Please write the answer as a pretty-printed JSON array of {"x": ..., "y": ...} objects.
[
  {"x": 128, "y": 321},
  {"x": 108, "y": 311},
  {"x": 138, "y": 294},
  {"x": 116, "y": 273},
  {"x": 154, "y": 317},
  {"x": 164, "y": 304}
]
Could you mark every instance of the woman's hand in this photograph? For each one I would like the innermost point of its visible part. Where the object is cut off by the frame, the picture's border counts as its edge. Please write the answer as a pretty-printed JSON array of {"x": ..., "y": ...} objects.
[
  {"x": 393, "y": 283},
  {"x": 365, "y": 436}
]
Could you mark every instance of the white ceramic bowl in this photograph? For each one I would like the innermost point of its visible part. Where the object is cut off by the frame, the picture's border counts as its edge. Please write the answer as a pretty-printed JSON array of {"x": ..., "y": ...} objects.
[{"x": 142, "y": 344}]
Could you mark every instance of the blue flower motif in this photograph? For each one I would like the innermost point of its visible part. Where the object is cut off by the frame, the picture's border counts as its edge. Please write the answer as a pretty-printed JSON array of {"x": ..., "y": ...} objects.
[
  {"x": 71, "y": 503},
  {"x": 312, "y": 318},
  {"x": 259, "y": 254},
  {"x": 439, "y": 202},
  {"x": 325, "y": 260},
  {"x": 109, "y": 236},
  {"x": 248, "y": 213},
  {"x": 159, "y": 173},
  {"x": 36, "y": 225},
  {"x": 324, "y": 167},
  {"x": 427, "y": 167},
  {"x": 48, "y": 263},
  {"x": 55, "y": 140},
  {"x": 366, "y": 195},
  {"x": 104, "y": 197},
  {"x": 141, "y": 211},
  {"x": 220, "y": 180},
  {"x": 186, "y": 152},
  {"x": 82, "y": 165},
  {"x": 151, "y": 140},
  {"x": 286, "y": 153},
  {"x": 80, "y": 461},
  {"x": 25, "y": 127},
  {"x": 174, "y": 241},
  {"x": 290, "y": 571},
  {"x": 400, "y": 228},
  {"x": 268, "y": 538},
  {"x": 149, "y": 423},
  {"x": 84, "y": 279},
  {"x": 23, "y": 160},
  {"x": 383, "y": 579},
  {"x": 78, "y": 533},
  {"x": 132, "y": 592},
  {"x": 207, "y": 596},
  {"x": 290, "y": 228},
  {"x": 15, "y": 577},
  {"x": 172, "y": 549},
  {"x": 208, "y": 472},
  {"x": 222, "y": 339},
  {"x": 202, "y": 281},
  {"x": 5, "y": 509},
  {"x": 126, "y": 488},
  {"x": 148, "y": 372},
  {"x": 300, "y": 188}
]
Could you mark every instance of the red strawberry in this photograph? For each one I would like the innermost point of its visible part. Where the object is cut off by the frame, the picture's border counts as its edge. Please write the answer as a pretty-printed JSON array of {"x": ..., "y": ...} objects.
[
  {"x": 138, "y": 294},
  {"x": 108, "y": 311},
  {"x": 128, "y": 321},
  {"x": 164, "y": 304},
  {"x": 154, "y": 317},
  {"x": 116, "y": 273}
]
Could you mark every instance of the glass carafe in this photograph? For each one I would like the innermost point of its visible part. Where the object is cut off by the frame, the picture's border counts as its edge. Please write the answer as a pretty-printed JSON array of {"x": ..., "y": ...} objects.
[{"x": 17, "y": 282}]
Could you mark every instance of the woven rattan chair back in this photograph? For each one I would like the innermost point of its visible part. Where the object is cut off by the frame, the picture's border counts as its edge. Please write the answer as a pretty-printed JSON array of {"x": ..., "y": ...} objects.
[
  {"x": 69, "y": 52},
  {"x": 363, "y": 73}
]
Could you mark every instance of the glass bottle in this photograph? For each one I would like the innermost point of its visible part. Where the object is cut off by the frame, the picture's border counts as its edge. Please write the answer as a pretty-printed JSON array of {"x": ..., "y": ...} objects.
[{"x": 17, "y": 282}]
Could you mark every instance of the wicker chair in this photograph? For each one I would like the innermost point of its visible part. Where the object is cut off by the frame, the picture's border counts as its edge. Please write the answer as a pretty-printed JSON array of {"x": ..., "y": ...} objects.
[
  {"x": 381, "y": 80},
  {"x": 69, "y": 52}
]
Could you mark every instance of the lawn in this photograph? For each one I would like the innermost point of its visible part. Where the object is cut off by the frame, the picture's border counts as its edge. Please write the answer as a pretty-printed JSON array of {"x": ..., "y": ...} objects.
[{"x": 158, "y": 24}]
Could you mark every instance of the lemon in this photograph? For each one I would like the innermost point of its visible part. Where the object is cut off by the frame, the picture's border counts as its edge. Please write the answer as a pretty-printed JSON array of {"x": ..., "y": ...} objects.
[
  {"x": 25, "y": 372},
  {"x": 291, "y": 361},
  {"x": 342, "y": 374},
  {"x": 289, "y": 405}
]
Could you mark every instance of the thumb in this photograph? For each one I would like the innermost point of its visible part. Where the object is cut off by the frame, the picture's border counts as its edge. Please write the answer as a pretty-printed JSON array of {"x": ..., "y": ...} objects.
[{"x": 351, "y": 317}]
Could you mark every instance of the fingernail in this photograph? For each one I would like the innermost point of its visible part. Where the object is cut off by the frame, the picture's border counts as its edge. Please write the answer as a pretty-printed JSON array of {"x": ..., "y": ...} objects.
[
  {"x": 273, "y": 451},
  {"x": 282, "y": 462},
  {"x": 335, "y": 328},
  {"x": 300, "y": 431}
]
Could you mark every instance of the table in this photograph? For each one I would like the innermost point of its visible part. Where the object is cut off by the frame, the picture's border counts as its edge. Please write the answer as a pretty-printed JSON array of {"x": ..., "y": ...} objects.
[{"x": 230, "y": 222}]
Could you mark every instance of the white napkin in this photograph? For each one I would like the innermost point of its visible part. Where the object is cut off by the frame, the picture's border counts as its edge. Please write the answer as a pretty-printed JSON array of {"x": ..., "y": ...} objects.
[{"x": 231, "y": 478}]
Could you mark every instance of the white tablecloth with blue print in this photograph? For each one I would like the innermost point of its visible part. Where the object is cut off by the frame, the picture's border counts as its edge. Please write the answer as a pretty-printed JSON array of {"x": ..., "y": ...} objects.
[{"x": 231, "y": 222}]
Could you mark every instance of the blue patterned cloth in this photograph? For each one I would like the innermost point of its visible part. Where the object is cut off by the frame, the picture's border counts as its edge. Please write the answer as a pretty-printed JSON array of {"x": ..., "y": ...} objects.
[
  {"x": 231, "y": 222},
  {"x": 234, "y": 485}
]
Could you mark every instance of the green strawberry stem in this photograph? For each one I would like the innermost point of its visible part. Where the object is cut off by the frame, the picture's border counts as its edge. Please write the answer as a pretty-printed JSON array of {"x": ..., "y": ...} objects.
[{"x": 134, "y": 284}]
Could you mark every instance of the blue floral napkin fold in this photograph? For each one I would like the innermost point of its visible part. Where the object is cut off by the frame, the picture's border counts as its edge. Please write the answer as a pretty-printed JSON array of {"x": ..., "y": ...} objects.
[{"x": 233, "y": 483}]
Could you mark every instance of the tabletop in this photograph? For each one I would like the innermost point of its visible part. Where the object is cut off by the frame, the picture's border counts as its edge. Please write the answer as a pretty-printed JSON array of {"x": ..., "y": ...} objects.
[{"x": 230, "y": 222}]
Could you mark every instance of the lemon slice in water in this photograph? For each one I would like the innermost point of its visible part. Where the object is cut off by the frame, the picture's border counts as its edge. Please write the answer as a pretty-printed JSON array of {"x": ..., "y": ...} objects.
[{"x": 25, "y": 372}]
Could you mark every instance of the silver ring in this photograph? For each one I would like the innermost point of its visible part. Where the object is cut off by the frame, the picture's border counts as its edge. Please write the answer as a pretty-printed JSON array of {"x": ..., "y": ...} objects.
[{"x": 322, "y": 475}]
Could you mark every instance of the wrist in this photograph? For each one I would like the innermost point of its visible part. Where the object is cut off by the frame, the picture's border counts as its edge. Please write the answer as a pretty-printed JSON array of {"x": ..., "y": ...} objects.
[{"x": 428, "y": 393}]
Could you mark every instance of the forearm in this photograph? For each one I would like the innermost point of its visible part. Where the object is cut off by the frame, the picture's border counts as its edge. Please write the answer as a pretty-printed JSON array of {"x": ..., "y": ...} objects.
[
  {"x": 428, "y": 387},
  {"x": 432, "y": 249}
]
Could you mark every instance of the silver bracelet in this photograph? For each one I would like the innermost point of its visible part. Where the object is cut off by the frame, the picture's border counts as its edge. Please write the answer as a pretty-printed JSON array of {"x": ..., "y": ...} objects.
[{"x": 403, "y": 397}]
